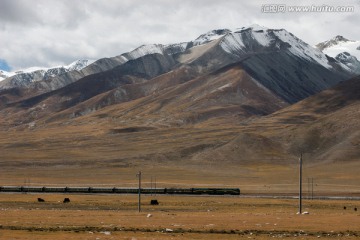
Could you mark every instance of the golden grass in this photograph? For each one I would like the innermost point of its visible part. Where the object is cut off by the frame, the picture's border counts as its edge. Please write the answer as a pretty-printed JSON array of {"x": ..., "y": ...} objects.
[
  {"x": 334, "y": 179},
  {"x": 90, "y": 216}
]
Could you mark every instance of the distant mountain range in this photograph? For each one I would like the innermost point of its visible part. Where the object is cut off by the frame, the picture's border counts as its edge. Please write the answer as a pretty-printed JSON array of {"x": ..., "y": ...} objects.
[
  {"x": 237, "y": 95},
  {"x": 34, "y": 74},
  {"x": 261, "y": 52}
]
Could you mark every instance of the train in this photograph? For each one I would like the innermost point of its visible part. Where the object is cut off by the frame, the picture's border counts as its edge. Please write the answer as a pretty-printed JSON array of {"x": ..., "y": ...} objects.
[{"x": 116, "y": 190}]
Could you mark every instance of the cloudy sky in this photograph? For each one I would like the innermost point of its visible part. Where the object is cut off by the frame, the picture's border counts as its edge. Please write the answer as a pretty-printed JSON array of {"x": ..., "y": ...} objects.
[{"x": 48, "y": 33}]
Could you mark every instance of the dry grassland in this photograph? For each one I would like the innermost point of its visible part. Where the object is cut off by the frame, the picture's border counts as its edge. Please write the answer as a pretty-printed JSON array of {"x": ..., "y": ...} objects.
[{"x": 116, "y": 217}]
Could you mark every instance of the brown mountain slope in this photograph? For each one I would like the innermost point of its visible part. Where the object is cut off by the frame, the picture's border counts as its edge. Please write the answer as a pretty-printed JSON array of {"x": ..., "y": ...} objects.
[
  {"x": 36, "y": 107},
  {"x": 108, "y": 146},
  {"x": 175, "y": 98},
  {"x": 325, "y": 127},
  {"x": 229, "y": 94},
  {"x": 176, "y": 118}
]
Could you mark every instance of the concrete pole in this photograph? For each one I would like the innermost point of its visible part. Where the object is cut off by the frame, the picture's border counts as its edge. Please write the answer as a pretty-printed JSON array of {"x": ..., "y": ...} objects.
[{"x": 139, "y": 202}]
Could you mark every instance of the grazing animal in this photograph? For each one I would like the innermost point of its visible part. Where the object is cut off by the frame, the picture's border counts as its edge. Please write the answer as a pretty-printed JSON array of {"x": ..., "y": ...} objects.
[
  {"x": 41, "y": 200},
  {"x": 154, "y": 202},
  {"x": 355, "y": 209},
  {"x": 344, "y": 208},
  {"x": 66, "y": 200}
]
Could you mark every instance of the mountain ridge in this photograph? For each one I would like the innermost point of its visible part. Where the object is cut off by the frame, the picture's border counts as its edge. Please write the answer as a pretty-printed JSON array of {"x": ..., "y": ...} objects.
[
  {"x": 108, "y": 63},
  {"x": 34, "y": 74},
  {"x": 288, "y": 68}
]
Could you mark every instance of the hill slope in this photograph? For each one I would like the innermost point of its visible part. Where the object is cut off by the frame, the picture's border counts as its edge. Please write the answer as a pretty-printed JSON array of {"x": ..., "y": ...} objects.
[{"x": 325, "y": 127}]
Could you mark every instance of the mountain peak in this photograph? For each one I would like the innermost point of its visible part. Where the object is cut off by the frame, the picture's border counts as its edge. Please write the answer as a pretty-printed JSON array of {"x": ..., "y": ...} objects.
[
  {"x": 210, "y": 36},
  {"x": 79, "y": 64},
  {"x": 340, "y": 38},
  {"x": 332, "y": 42},
  {"x": 257, "y": 27},
  {"x": 343, "y": 46},
  {"x": 218, "y": 33}
]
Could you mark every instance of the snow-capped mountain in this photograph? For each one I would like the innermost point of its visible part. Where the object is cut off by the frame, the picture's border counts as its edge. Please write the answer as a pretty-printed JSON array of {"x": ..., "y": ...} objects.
[
  {"x": 344, "y": 50},
  {"x": 339, "y": 44},
  {"x": 256, "y": 38},
  {"x": 35, "y": 74},
  {"x": 276, "y": 58},
  {"x": 332, "y": 42}
]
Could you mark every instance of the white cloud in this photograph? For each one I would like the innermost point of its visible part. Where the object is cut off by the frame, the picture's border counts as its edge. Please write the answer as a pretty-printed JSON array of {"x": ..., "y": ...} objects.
[{"x": 48, "y": 33}]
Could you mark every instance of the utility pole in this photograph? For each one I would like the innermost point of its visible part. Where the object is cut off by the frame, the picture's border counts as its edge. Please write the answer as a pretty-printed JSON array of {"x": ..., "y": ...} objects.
[
  {"x": 139, "y": 203},
  {"x": 300, "y": 184}
]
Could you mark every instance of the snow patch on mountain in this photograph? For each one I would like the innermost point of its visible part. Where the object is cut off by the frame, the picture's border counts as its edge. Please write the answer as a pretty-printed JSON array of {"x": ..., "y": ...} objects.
[
  {"x": 350, "y": 61},
  {"x": 332, "y": 42},
  {"x": 232, "y": 43},
  {"x": 254, "y": 37},
  {"x": 79, "y": 64},
  {"x": 351, "y": 47},
  {"x": 34, "y": 74},
  {"x": 210, "y": 36},
  {"x": 5, "y": 74},
  {"x": 76, "y": 65},
  {"x": 343, "y": 50},
  {"x": 262, "y": 37},
  {"x": 302, "y": 49},
  {"x": 257, "y": 27},
  {"x": 143, "y": 50}
]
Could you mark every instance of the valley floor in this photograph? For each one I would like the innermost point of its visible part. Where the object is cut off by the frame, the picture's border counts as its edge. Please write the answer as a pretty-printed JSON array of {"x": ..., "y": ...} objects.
[{"x": 336, "y": 179}]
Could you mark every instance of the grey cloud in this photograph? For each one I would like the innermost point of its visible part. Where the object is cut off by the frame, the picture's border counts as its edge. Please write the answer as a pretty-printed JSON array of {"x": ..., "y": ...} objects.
[
  {"x": 43, "y": 32},
  {"x": 17, "y": 12},
  {"x": 44, "y": 13}
]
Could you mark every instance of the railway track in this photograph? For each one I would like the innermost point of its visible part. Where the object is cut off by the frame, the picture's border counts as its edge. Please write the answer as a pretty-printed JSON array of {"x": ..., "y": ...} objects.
[{"x": 117, "y": 190}]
